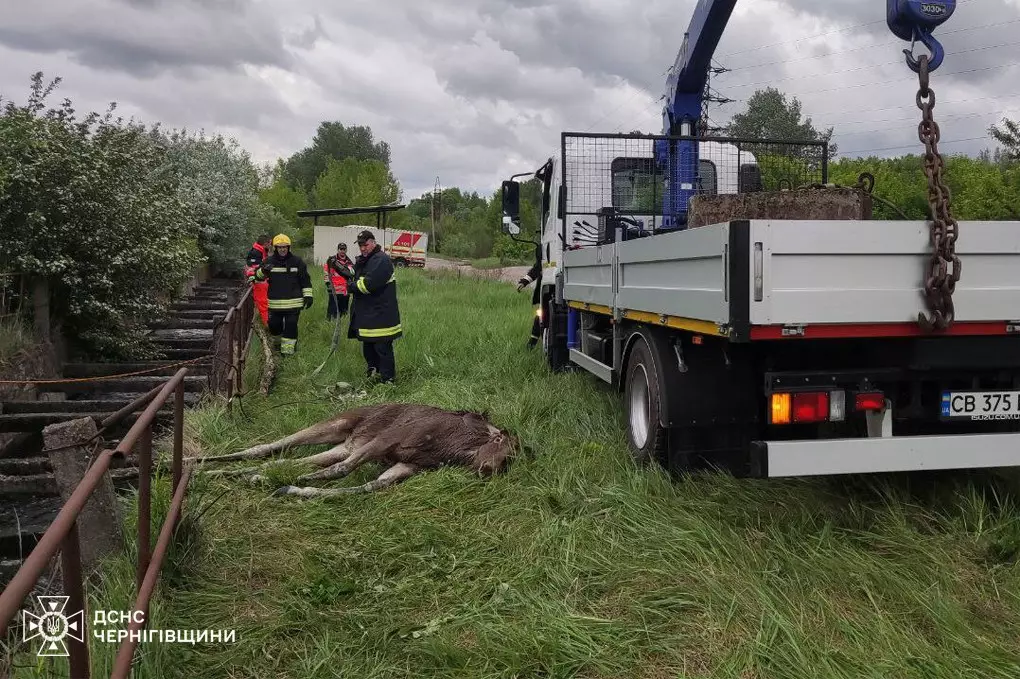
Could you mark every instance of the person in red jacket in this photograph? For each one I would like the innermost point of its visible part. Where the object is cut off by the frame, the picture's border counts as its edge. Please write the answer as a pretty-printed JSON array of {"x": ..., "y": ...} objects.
[
  {"x": 336, "y": 284},
  {"x": 260, "y": 291}
]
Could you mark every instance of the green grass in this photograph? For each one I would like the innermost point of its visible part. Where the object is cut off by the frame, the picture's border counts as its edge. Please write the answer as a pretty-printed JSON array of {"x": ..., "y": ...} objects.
[
  {"x": 485, "y": 262},
  {"x": 14, "y": 337},
  {"x": 574, "y": 563}
]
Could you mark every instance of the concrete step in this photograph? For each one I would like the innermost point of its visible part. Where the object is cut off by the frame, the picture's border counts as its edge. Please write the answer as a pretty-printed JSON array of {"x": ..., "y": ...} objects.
[
  {"x": 183, "y": 333},
  {"x": 184, "y": 354},
  {"x": 126, "y": 385},
  {"x": 29, "y": 466},
  {"x": 183, "y": 342},
  {"x": 164, "y": 368},
  {"x": 200, "y": 305},
  {"x": 214, "y": 314},
  {"x": 80, "y": 406},
  {"x": 35, "y": 485},
  {"x": 178, "y": 322},
  {"x": 26, "y": 422}
]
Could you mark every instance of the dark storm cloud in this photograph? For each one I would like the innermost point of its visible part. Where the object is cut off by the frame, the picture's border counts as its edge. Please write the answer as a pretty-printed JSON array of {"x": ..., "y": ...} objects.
[
  {"x": 146, "y": 37},
  {"x": 473, "y": 91}
]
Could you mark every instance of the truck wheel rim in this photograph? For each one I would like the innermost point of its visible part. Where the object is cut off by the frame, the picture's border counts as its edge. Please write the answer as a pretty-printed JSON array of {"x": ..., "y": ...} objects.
[{"x": 639, "y": 407}]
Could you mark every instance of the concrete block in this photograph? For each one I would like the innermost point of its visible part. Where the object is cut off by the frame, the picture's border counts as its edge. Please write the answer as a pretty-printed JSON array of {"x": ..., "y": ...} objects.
[
  {"x": 99, "y": 524},
  {"x": 815, "y": 203}
]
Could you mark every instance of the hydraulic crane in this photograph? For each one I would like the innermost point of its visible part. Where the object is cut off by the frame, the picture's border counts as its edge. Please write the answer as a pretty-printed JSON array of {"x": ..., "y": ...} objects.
[{"x": 912, "y": 20}]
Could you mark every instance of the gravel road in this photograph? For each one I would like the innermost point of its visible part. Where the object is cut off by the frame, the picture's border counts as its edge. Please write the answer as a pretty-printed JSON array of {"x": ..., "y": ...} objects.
[{"x": 509, "y": 274}]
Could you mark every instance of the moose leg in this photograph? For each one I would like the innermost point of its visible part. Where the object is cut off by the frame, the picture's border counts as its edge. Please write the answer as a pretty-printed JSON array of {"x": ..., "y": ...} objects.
[
  {"x": 332, "y": 456},
  {"x": 391, "y": 476},
  {"x": 372, "y": 450},
  {"x": 323, "y": 432}
]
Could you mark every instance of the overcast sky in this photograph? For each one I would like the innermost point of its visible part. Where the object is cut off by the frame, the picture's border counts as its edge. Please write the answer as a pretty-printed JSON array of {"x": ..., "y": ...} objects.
[{"x": 474, "y": 90}]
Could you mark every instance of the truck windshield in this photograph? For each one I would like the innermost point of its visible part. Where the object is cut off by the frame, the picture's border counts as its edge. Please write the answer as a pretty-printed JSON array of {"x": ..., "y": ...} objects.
[{"x": 638, "y": 185}]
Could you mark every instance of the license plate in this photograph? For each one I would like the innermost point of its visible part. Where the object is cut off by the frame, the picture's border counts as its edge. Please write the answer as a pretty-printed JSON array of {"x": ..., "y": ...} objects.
[{"x": 981, "y": 405}]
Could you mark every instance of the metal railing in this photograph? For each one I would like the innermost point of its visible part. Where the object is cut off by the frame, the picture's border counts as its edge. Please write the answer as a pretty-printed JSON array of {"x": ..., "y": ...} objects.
[
  {"x": 62, "y": 535},
  {"x": 231, "y": 341}
]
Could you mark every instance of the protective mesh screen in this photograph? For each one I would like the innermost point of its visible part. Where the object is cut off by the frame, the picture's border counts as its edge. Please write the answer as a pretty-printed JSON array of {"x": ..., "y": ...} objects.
[{"x": 655, "y": 177}]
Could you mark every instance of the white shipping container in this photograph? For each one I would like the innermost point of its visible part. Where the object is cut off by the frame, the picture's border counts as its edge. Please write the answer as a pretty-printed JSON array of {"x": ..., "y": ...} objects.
[{"x": 405, "y": 247}]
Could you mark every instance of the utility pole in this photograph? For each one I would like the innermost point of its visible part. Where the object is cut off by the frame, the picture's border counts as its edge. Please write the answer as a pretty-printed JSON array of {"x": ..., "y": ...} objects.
[{"x": 437, "y": 206}]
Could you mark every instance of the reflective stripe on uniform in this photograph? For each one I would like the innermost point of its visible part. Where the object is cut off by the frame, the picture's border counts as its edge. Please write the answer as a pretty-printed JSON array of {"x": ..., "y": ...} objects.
[
  {"x": 287, "y": 345},
  {"x": 307, "y": 292},
  {"x": 280, "y": 269},
  {"x": 378, "y": 332},
  {"x": 283, "y": 304},
  {"x": 361, "y": 285}
]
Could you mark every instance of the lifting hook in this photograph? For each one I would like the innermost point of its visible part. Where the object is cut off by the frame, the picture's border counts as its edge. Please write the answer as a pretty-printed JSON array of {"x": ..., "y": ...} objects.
[{"x": 915, "y": 20}]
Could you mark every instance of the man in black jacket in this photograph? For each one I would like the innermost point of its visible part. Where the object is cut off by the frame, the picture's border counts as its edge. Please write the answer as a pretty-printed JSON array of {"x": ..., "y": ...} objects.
[
  {"x": 534, "y": 275},
  {"x": 290, "y": 290},
  {"x": 375, "y": 316}
]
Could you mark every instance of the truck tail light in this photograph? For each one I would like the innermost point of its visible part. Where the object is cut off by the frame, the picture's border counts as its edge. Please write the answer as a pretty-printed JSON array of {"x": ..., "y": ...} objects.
[
  {"x": 837, "y": 405},
  {"x": 807, "y": 407},
  {"x": 780, "y": 410},
  {"x": 811, "y": 406},
  {"x": 869, "y": 401}
]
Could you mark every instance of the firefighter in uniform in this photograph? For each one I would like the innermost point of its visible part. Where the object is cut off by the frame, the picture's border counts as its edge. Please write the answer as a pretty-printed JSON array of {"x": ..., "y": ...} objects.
[
  {"x": 336, "y": 270},
  {"x": 290, "y": 291},
  {"x": 259, "y": 292},
  {"x": 534, "y": 275},
  {"x": 375, "y": 316}
]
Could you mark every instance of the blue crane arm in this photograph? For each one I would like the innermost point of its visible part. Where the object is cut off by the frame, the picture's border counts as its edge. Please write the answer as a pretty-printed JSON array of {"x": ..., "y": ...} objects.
[
  {"x": 686, "y": 81},
  {"x": 912, "y": 20}
]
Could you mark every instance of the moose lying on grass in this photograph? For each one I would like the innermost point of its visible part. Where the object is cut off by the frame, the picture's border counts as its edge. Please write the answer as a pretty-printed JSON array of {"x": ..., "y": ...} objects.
[{"x": 407, "y": 438}]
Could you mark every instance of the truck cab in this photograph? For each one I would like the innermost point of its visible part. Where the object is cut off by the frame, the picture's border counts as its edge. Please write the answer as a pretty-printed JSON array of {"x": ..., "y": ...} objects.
[{"x": 628, "y": 172}]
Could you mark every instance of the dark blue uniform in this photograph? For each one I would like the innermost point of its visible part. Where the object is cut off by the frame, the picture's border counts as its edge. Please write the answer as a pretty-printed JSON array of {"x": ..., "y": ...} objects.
[{"x": 375, "y": 315}]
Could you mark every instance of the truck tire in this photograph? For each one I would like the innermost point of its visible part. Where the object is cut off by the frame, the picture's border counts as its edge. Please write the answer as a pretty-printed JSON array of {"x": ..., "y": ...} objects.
[
  {"x": 400, "y": 262},
  {"x": 648, "y": 439},
  {"x": 554, "y": 337}
]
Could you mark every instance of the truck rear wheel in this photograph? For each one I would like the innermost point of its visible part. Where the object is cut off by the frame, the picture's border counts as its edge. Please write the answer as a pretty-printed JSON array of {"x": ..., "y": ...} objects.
[
  {"x": 642, "y": 397},
  {"x": 554, "y": 336}
]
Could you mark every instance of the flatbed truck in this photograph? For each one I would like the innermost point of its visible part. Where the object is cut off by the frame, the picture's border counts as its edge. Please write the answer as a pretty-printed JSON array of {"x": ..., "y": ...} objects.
[{"x": 776, "y": 347}]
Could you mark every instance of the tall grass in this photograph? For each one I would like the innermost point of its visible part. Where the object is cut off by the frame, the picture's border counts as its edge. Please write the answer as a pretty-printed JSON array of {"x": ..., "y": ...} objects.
[{"x": 574, "y": 563}]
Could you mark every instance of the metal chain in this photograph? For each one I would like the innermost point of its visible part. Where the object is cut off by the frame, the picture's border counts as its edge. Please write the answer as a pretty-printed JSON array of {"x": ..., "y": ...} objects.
[{"x": 940, "y": 282}]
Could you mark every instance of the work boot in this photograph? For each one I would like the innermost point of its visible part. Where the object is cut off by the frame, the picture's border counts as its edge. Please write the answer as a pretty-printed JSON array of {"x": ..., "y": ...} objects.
[
  {"x": 288, "y": 346},
  {"x": 274, "y": 344}
]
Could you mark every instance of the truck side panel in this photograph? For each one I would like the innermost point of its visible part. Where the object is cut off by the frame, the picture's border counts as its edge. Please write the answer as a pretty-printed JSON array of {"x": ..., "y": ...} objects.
[
  {"x": 588, "y": 277},
  {"x": 678, "y": 274},
  {"x": 819, "y": 272}
]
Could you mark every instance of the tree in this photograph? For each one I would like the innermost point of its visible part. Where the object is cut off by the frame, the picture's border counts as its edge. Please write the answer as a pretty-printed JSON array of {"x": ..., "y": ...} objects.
[
  {"x": 333, "y": 141},
  {"x": 354, "y": 183},
  {"x": 218, "y": 183},
  {"x": 1009, "y": 136},
  {"x": 89, "y": 205},
  {"x": 770, "y": 116}
]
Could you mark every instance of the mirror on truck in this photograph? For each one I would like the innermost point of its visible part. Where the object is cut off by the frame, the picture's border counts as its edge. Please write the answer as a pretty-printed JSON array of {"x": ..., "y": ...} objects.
[{"x": 511, "y": 207}]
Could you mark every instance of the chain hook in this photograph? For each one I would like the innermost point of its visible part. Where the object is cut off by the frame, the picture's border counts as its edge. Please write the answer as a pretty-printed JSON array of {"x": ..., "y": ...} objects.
[{"x": 926, "y": 38}]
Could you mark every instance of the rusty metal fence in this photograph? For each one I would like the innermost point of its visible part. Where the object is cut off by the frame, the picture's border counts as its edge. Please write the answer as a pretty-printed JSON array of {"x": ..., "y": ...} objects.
[
  {"x": 231, "y": 341},
  {"x": 62, "y": 535}
]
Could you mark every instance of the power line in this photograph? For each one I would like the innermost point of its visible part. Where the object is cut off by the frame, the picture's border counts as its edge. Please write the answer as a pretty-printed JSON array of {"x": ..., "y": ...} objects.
[
  {"x": 866, "y": 67},
  {"x": 942, "y": 142},
  {"x": 882, "y": 43}
]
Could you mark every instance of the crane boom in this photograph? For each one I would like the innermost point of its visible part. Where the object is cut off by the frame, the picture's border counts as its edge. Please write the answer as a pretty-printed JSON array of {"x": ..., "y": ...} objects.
[
  {"x": 685, "y": 84},
  {"x": 912, "y": 20}
]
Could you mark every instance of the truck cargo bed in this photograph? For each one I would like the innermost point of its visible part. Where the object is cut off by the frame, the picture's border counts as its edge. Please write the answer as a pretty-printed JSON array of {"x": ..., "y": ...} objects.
[{"x": 772, "y": 279}]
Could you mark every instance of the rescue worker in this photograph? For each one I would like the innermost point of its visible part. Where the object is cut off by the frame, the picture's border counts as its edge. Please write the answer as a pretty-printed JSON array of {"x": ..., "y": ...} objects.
[
  {"x": 290, "y": 290},
  {"x": 375, "y": 315},
  {"x": 336, "y": 270},
  {"x": 257, "y": 254},
  {"x": 534, "y": 275}
]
